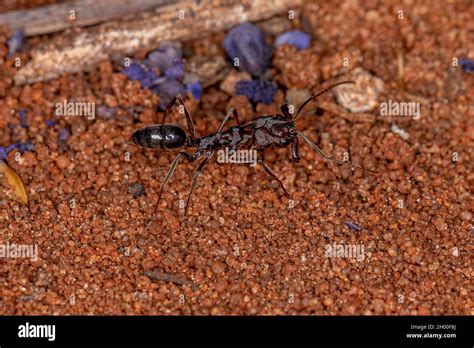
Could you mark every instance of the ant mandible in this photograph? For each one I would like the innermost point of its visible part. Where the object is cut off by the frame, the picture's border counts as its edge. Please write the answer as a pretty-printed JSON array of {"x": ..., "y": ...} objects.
[{"x": 261, "y": 132}]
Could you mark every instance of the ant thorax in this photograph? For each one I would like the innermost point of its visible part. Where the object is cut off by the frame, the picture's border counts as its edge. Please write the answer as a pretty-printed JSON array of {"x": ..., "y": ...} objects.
[
  {"x": 278, "y": 136},
  {"x": 232, "y": 138}
]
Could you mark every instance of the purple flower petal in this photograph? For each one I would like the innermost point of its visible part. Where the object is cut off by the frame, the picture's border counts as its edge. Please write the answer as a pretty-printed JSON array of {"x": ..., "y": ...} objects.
[
  {"x": 164, "y": 57},
  {"x": 296, "y": 38},
  {"x": 63, "y": 134},
  {"x": 352, "y": 226},
  {"x": 467, "y": 64},
  {"x": 135, "y": 71},
  {"x": 168, "y": 89},
  {"x": 50, "y": 123},
  {"x": 257, "y": 91},
  {"x": 138, "y": 72},
  {"x": 12, "y": 147},
  {"x": 23, "y": 119},
  {"x": 15, "y": 42},
  {"x": 176, "y": 70},
  {"x": 22, "y": 147},
  {"x": 148, "y": 79},
  {"x": 3, "y": 153},
  {"x": 196, "y": 89},
  {"x": 247, "y": 43}
]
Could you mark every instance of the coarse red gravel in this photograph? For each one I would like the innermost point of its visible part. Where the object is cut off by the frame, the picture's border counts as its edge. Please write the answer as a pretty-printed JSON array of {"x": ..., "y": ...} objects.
[{"x": 244, "y": 248}]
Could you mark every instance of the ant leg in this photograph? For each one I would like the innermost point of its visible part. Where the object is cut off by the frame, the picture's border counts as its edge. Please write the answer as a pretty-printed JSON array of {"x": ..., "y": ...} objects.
[
  {"x": 231, "y": 112},
  {"x": 295, "y": 153},
  {"x": 190, "y": 158},
  {"x": 272, "y": 174},
  {"x": 189, "y": 119},
  {"x": 195, "y": 176},
  {"x": 346, "y": 163}
]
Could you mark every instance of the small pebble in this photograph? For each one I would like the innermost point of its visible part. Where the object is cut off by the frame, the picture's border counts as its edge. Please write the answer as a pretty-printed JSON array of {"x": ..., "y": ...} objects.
[
  {"x": 218, "y": 267},
  {"x": 392, "y": 251},
  {"x": 328, "y": 301},
  {"x": 466, "y": 215},
  {"x": 440, "y": 224},
  {"x": 136, "y": 189},
  {"x": 422, "y": 310},
  {"x": 221, "y": 285},
  {"x": 64, "y": 209},
  {"x": 230, "y": 81},
  {"x": 400, "y": 131},
  {"x": 62, "y": 161},
  {"x": 361, "y": 96}
]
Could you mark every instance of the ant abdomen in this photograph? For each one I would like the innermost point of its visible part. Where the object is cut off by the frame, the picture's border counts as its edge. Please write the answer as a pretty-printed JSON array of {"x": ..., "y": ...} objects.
[{"x": 163, "y": 136}]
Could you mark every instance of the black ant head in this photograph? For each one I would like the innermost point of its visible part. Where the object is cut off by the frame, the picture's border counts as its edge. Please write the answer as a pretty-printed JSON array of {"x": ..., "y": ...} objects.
[
  {"x": 292, "y": 131},
  {"x": 163, "y": 136}
]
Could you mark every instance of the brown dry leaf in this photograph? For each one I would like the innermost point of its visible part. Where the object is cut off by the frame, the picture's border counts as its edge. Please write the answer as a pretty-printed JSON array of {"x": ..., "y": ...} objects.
[{"x": 8, "y": 175}]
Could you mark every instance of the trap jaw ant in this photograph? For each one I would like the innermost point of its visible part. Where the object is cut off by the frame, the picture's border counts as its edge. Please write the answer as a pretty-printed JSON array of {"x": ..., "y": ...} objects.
[{"x": 269, "y": 131}]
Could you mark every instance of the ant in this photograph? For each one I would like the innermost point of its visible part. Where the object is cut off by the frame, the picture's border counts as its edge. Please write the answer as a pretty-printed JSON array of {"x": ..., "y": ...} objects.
[{"x": 261, "y": 132}]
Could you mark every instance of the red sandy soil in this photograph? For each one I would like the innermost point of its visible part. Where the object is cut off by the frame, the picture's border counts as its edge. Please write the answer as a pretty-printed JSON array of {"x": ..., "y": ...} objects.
[{"x": 242, "y": 249}]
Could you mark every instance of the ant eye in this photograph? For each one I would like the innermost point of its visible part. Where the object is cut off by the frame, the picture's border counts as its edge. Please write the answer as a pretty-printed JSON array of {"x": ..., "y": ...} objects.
[{"x": 169, "y": 136}]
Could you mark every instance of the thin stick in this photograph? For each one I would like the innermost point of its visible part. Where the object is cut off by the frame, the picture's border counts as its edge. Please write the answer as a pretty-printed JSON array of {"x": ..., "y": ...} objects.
[
  {"x": 82, "y": 50},
  {"x": 167, "y": 277},
  {"x": 56, "y": 17}
]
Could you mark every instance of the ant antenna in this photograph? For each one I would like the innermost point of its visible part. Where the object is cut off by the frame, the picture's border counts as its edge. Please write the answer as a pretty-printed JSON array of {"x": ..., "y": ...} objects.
[
  {"x": 321, "y": 152},
  {"x": 317, "y": 95}
]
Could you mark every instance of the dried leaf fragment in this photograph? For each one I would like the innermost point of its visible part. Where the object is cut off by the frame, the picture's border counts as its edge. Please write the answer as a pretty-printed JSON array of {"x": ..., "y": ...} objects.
[{"x": 9, "y": 177}]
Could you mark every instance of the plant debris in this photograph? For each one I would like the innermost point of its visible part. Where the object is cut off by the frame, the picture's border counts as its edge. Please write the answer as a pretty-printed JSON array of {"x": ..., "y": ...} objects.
[
  {"x": 257, "y": 91},
  {"x": 296, "y": 38},
  {"x": 9, "y": 178},
  {"x": 248, "y": 49},
  {"x": 15, "y": 42}
]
